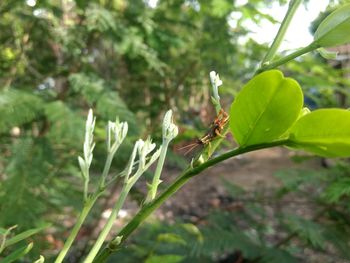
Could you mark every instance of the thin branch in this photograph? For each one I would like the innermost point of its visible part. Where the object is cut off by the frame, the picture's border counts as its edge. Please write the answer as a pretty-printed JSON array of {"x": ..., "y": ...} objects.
[
  {"x": 289, "y": 57},
  {"x": 172, "y": 189},
  {"x": 293, "y": 6}
]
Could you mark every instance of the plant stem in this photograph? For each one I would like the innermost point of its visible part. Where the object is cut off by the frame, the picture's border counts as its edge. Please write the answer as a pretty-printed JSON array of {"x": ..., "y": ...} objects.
[
  {"x": 89, "y": 202},
  {"x": 106, "y": 169},
  {"x": 173, "y": 188},
  {"x": 289, "y": 57},
  {"x": 128, "y": 184},
  {"x": 106, "y": 229},
  {"x": 86, "y": 187},
  {"x": 211, "y": 147},
  {"x": 293, "y": 6},
  {"x": 156, "y": 181}
]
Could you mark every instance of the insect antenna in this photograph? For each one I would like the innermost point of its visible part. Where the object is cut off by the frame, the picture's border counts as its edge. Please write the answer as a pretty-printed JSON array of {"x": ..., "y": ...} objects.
[{"x": 190, "y": 147}]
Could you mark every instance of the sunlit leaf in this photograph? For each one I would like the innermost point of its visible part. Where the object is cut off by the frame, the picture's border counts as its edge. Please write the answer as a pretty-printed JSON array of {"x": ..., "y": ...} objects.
[
  {"x": 266, "y": 108},
  {"x": 325, "y": 132},
  {"x": 334, "y": 29}
]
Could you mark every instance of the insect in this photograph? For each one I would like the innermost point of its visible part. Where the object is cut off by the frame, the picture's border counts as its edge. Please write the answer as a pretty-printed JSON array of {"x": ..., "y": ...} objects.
[{"x": 214, "y": 131}]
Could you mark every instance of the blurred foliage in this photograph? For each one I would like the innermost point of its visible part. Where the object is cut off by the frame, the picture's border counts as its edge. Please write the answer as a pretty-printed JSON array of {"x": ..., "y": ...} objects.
[
  {"x": 58, "y": 58},
  {"x": 122, "y": 58}
]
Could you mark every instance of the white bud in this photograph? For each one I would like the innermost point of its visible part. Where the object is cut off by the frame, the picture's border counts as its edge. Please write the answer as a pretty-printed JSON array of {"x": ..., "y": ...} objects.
[
  {"x": 216, "y": 82},
  {"x": 140, "y": 143},
  {"x": 167, "y": 120},
  {"x": 90, "y": 121},
  {"x": 124, "y": 129},
  {"x": 82, "y": 165},
  {"x": 170, "y": 130},
  {"x": 212, "y": 75},
  {"x": 89, "y": 138},
  {"x": 174, "y": 130},
  {"x": 119, "y": 130},
  {"x": 116, "y": 241}
]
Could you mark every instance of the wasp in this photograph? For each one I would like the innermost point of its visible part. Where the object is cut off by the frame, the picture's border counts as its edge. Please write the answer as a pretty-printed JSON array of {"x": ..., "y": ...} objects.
[{"x": 214, "y": 131}]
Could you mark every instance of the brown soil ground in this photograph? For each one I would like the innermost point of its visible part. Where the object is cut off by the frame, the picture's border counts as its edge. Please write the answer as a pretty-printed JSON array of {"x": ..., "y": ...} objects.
[{"x": 251, "y": 172}]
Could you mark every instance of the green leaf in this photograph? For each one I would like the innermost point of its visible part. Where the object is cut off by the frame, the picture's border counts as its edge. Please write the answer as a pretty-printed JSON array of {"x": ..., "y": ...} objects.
[
  {"x": 307, "y": 230},
  {"x": 266, "y": 108},
  {"x": 325, "y": 132},
  {"x": 24, "y": 235},
  {"x": 336, "y": 190},
  {"x": 193, "y": 230},
  {"x": 19, "y": 253},
  {"x": 18, "y": 107},
  {"x": 334, "y": 30},
  {"x": 171, "y": 238},
  {"x": 339, "y": 239},
  {"x": 327, "y": 54}
]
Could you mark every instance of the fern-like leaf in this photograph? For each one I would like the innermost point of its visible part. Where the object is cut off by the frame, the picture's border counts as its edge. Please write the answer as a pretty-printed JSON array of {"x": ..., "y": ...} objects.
[
  {"x": 17, "y": 108},
  {"x": 338, "y": 189}
]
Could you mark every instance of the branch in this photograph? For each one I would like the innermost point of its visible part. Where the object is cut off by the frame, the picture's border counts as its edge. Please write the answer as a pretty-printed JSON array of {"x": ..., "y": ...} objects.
[
  {"x": 288, "y": 58},
  {"x": 293, "y": 6},
  {"x": 172, "y": 189}
]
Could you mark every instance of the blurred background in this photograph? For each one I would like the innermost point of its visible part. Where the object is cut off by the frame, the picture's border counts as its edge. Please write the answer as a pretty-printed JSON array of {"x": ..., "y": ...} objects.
[{"x": 137, "y": 59}]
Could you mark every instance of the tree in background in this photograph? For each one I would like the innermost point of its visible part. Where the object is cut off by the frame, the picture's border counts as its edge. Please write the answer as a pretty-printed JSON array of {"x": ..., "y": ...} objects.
[{"x": 59, "y": 58}]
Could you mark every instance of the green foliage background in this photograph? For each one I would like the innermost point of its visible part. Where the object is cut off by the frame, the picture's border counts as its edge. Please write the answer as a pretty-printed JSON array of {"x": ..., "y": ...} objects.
[{"x": 121, "y": 58}]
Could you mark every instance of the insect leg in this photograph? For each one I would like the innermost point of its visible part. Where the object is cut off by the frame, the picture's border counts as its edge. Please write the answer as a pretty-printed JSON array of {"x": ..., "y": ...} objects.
[{"x": 217, "y": 132}]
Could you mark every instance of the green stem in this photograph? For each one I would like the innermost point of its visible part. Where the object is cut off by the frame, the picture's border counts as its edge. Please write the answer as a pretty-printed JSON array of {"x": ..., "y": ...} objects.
[
  {"x": 156, "y": 178},
  {"x": 86, "y": 209},
  {"x": 86, "y": 187},
  {"x": 289, "y": 57},
  {"x": 128, "y": 183},
  {"x": 211, "y": 147},
  {"x": 217, "y": 105},
  {"x": 106, "y": 229},
  {"x": 106, "y": 169},
  {"x": 173, "y": 188},
  {"x": 293, "y": 6}
]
